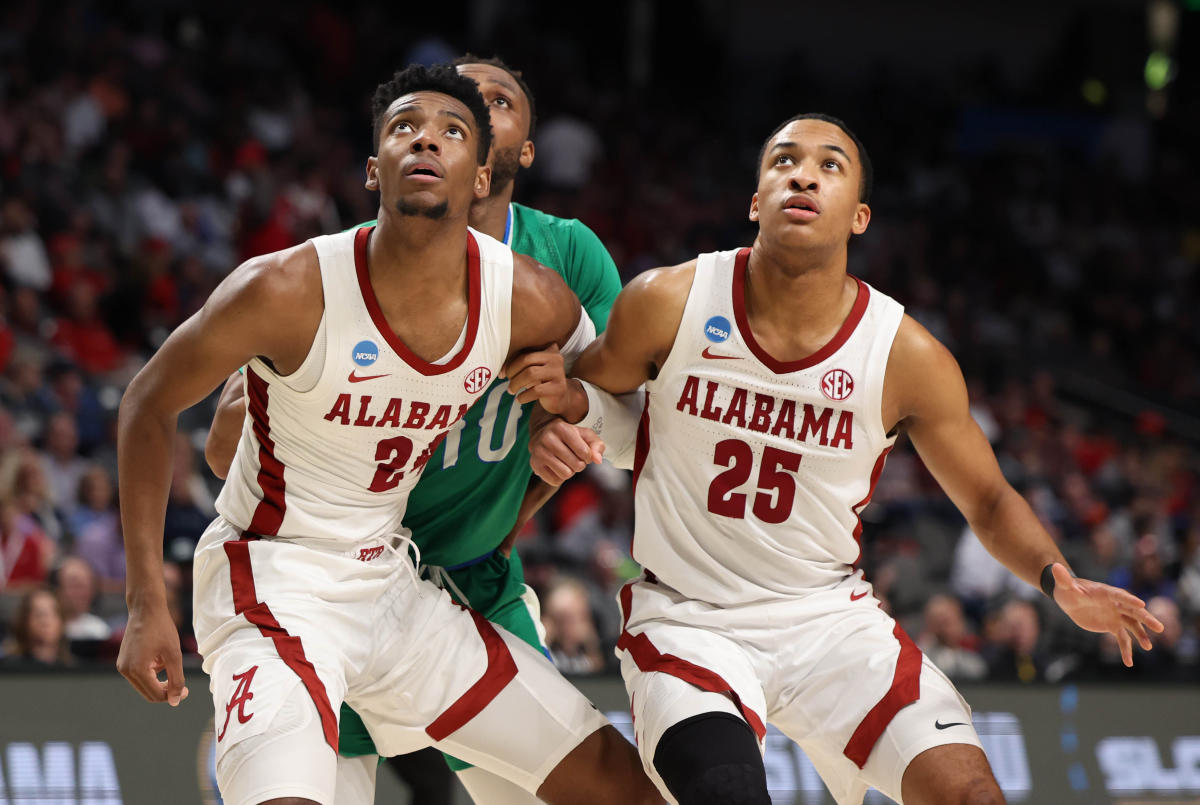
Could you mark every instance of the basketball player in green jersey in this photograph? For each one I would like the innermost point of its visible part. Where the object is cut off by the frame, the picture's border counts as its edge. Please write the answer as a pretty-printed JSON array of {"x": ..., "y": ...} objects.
[{"x": 476, "y": 491}]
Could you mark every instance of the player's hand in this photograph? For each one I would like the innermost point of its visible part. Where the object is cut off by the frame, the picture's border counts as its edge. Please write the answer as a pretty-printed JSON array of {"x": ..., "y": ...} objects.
[
  {"x": 539, "y": 376},
  {"x": 559, "y": 449},
  {"x": 149, "y": 647},
  {"x": 1098, "y": 607}
]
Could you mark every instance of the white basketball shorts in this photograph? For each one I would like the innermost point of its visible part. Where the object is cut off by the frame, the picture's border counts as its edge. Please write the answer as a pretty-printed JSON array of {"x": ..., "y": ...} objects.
[
  {"x": 831, "y": 670},
  {"x": 289, "y": 631}
]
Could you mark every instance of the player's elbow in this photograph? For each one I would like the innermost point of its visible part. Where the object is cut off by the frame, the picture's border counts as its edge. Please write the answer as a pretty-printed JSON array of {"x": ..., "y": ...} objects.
[{"x": 219, "y": 450}]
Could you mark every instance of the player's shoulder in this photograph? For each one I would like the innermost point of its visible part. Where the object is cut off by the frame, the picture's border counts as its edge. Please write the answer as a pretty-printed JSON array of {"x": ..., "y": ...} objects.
[
  {"x": 665, "y": 284},
  {"x": 532, "y": 279},
  {"x": 287, "y": 277},
  {"x": 917, "y": 359},
  {"x": 915, "y": 343}
]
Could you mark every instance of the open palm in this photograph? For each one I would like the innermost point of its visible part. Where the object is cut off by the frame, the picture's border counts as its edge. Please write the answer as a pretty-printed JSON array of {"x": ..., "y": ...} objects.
[{"x": 1099, "y": 607}]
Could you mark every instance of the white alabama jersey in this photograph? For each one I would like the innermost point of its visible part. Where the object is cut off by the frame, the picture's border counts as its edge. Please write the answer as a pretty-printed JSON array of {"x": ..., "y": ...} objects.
[
  {"x": 751, "y": 472},
  {"x": 335, "y": 460}
]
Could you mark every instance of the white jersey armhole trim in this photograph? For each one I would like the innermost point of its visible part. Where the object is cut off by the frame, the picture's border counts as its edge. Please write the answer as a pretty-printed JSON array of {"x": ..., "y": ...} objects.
[{"x": 893, "y": 313}]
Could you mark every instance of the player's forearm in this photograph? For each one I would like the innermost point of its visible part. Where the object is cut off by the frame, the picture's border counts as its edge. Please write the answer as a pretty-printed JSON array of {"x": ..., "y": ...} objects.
[
  {"x": 536, "y": 495},
  {"x": 1011, "y": 532},
  {"x": 221, "y": 444},
  {"x": 144, "y": 447}
]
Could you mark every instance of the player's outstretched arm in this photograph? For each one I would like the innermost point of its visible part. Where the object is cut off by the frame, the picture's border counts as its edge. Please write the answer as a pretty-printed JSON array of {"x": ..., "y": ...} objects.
[
  {"x": 640, "y": 333},
  {"x": 925, "y": 390},
  {"x": 257, "y": 310},
  {"x": 226, "y": 429}
]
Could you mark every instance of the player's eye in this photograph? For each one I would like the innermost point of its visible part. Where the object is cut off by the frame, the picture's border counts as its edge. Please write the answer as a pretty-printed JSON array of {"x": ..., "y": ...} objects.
[
  {"x": 456, "y": 133},
  {"x": 784, "y": 159},
  {"x": 402, "y": 125},
  {"x": 833, "y": 164},
  {"x": 500, "y": 100}
]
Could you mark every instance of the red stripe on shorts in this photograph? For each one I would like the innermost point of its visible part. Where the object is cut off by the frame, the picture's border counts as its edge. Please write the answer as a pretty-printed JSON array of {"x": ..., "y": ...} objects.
[
  {"x": 905, "y": 689},
  {"x": 289, "y": 647},
  {"x": 649, "y": 658},
  {"x": 268, "y": 515},
  {"x": 501, "y": 669}
]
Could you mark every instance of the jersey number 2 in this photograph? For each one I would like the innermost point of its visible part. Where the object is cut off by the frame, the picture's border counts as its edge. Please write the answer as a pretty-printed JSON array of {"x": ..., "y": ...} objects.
[{"x": 776, "y": 486}]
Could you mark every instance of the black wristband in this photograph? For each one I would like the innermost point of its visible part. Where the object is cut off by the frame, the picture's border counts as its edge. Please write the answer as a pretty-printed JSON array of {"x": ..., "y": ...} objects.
[{"x": 1048, "y": 580}]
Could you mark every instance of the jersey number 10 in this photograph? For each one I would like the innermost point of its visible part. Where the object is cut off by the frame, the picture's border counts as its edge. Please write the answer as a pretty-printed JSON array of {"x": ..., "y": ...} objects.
[{"x": 776, "y": 485}]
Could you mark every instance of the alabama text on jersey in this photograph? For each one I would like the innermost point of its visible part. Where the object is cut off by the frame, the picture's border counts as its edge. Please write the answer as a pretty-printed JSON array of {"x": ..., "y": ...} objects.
[
  {"x": 331, "y": 451},
  {"x": 752, "y": 483}
]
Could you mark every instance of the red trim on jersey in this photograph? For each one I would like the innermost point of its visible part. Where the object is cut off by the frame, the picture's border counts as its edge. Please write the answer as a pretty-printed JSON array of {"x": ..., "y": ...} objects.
[
  {"x": 785, "y": 367},
  {"x": 649, "y": 658},
  {"x": 641, "y": 450},
  {"x": 268, "y": 514},
  {"x": 289, "y": 647},
  {"x": 372, "y": 302},
  {"x": 642, "y": 446},
  {"x": 905, "y": 689},
  {"x": 857, "y": 508},
  {"x": 501, "y": 669}
]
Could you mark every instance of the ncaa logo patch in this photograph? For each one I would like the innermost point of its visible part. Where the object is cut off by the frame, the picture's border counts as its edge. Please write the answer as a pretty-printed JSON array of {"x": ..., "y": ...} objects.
[
  {"x": 365, "y": 353},
  {"x": 837, "y": 384},
  {"x": 717, "y": 329},
  {"x": 478, "y": 379}
]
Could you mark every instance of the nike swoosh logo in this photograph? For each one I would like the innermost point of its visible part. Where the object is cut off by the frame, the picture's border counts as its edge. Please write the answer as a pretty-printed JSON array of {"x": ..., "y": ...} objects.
[
  {"x": 854, "y": 597},
  {"x": 357, "y": 379},
  {"x": 716, "y": 357},
  {"x": 942, "y": 726}
]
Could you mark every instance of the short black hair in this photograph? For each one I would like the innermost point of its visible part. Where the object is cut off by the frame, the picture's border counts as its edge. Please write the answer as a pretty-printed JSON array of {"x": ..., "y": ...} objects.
[
  {"x": 517, "y": 75},
  {"x": 441, "y": 78},
  {"x": 868, "y": 173}
]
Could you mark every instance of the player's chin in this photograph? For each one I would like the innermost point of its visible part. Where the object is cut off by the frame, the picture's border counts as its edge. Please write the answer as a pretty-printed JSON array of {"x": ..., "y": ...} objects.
[{"x": 423, "y": 204}]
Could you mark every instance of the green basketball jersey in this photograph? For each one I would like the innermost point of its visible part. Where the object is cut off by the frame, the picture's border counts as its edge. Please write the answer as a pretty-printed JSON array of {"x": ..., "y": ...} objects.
[{"x": 468, "y": 497}]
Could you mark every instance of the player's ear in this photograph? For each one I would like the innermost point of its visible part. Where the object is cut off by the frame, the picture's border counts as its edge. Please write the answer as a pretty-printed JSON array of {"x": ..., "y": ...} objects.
[
  {"x": 862, "y": 217},
  {"x": 526, "y": 154},
  {"x": 372, "y": 182},
  {"x": 483, "y": 181},
  {"x": 754, "y": 208}
]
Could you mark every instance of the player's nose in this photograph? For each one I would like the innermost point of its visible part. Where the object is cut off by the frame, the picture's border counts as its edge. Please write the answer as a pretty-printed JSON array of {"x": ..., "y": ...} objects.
[
  {"x": 424, "y": 141},
  {"x": 802, "y": 179}
]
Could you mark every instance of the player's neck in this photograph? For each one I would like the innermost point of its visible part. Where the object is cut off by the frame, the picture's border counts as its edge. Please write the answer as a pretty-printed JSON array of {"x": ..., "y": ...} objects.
[
  {"x": 407, "y": 249},
  {"x": 808, "y": 294},
  {"x": 490, "y": 215}
]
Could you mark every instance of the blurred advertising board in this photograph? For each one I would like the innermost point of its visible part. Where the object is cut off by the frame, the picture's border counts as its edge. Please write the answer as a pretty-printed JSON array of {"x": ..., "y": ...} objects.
[{"x": 71, "y": 738}]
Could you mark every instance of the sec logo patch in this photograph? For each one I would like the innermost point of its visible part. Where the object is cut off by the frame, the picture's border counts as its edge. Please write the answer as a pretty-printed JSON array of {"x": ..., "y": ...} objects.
[
  {"x": 837, "y": 384},
  {"x": 478, "y": 379}
]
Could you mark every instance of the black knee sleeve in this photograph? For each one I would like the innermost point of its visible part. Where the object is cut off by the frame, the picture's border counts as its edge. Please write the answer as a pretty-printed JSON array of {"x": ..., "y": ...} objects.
[{"x": 712, "y": 759}]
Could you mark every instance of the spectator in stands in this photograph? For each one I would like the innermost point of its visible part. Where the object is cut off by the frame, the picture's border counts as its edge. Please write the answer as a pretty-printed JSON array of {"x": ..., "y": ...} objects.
[
  {"x": 96, "y": 527},
  {"x": 76, "y": 583},
  {"x": 189, "y": 504},
  {"x": 571, "y": 632},
  {"x": 83, "y": 336},
  {"x": 26, "y": 553},
  {"x": 32, "y": 496},
  {"x": 63, "y": 465},
  {"x": 36, "y": 635},
  {"x": 947, "y": 642},
  {"x": 1012, "y": 652}
]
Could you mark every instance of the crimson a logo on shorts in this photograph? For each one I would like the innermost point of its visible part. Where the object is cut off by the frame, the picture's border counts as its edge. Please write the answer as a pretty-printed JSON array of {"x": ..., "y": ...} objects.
[
  {"x": 478, "y": 379},
  {"x": 837, "y": 384}
]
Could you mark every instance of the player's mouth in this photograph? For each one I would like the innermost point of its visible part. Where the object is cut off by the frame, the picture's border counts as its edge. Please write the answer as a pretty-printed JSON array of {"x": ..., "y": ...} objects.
[
  {"x": 423, "y": 170},
  {"x": 801, "y": 207}
]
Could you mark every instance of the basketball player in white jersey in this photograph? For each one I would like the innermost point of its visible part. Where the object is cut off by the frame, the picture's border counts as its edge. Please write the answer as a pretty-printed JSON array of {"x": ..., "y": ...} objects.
[
  {"x": 362, "y": 349},
  {"x": 776, "y": 385}
]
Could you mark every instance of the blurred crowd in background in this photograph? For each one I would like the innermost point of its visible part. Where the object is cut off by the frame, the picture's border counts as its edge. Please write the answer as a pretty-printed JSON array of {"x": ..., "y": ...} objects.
[{"x": 1048, "y": 236}]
